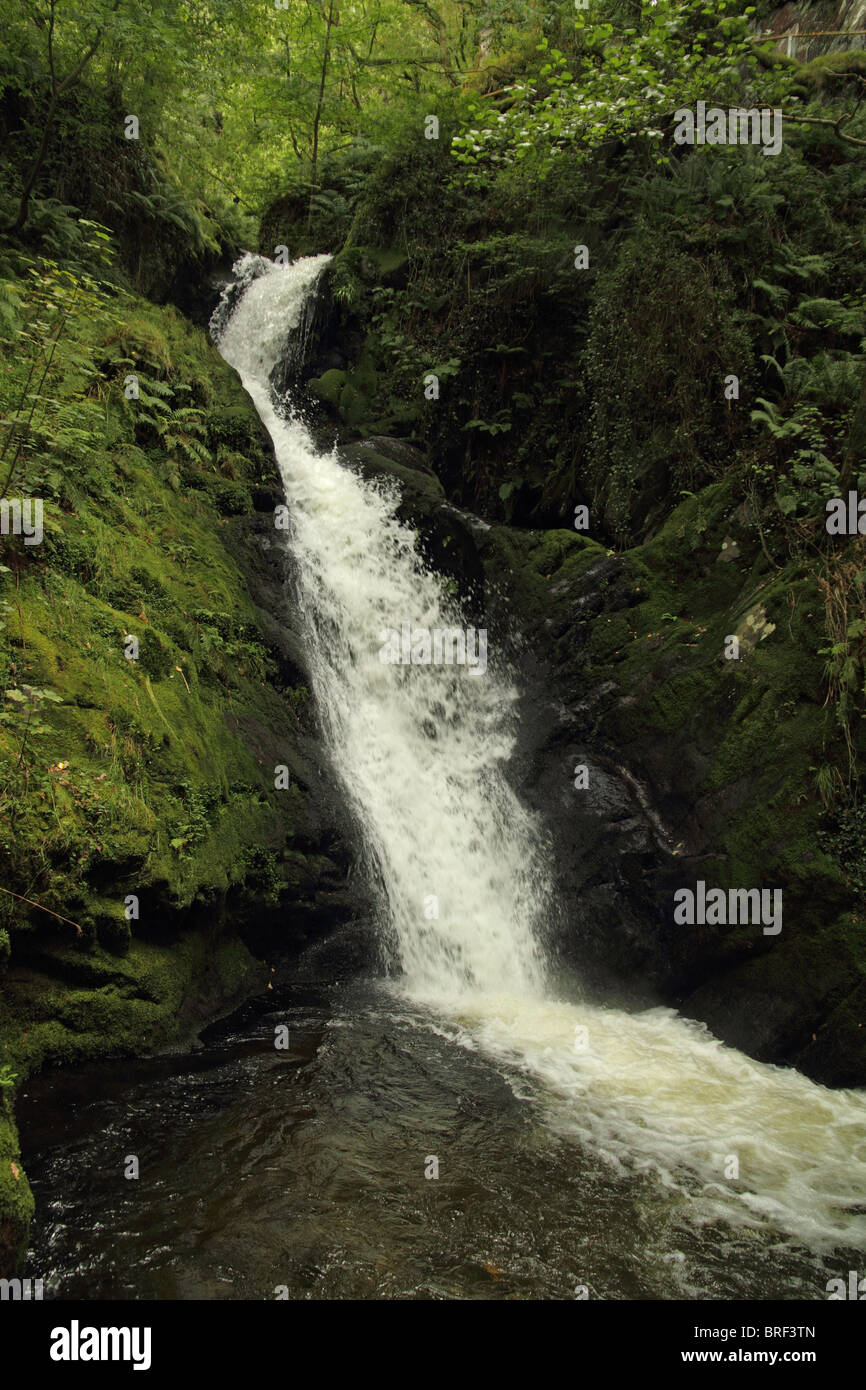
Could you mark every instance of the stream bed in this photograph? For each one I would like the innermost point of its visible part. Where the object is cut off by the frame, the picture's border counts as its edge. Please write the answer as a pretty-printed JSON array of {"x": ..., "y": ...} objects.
[{"x": 300, "y": 1173}]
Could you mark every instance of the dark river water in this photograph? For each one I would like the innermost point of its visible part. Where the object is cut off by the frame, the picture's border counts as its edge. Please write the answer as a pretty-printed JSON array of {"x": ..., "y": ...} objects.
[{"x": 301, "y": 1173}]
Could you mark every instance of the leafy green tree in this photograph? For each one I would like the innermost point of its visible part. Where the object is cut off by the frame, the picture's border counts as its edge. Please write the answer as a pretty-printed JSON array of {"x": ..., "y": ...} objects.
[
  {"x": 70, "y": 40},
  {"x": 619, "y": 80}
]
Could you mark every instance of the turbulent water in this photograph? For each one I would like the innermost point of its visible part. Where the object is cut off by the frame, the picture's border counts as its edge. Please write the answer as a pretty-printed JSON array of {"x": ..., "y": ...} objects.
[
  {"x": 303, "y": 1170},
  {"x": 420, "y": 748},
  {"x": 642, "y": 1129}
]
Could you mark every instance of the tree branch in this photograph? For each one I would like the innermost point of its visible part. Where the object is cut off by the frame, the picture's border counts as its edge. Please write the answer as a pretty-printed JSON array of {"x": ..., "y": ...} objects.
[{"x": 826, "y": 120}]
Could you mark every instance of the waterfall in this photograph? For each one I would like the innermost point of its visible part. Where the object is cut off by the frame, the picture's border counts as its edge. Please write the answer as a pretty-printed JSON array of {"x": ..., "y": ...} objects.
[{"x": 423, "y": 749}]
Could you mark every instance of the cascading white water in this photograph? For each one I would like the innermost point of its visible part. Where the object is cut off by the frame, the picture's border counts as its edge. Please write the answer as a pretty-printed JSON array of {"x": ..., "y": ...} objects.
[{"x": 422, "y": 750}]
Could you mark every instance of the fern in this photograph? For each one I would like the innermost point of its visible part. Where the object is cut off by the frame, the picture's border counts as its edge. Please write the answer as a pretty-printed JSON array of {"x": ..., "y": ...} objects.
[{"x": 828, "y": 313}]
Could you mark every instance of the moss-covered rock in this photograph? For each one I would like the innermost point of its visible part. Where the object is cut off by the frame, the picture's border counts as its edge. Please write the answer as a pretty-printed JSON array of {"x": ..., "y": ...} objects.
[
  {"x": 328, "y": 387},
  {"x": 16, "y": 1199},
  {"x": 137, "y": 779},
  {"x": 714, "y": 756}
]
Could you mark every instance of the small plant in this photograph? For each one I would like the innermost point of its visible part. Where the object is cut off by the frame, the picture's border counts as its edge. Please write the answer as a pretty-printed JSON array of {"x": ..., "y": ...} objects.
[
  {"x": 843, "y": 589},
  {"x": 499, "y": 425},
  {"x": 844, "y": 837},
  {"x": 178, "y": 427}
]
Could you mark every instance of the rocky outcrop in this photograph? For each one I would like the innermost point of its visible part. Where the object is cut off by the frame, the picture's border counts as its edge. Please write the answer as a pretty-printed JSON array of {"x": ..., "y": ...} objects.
[{"x": 695, "y": 768}]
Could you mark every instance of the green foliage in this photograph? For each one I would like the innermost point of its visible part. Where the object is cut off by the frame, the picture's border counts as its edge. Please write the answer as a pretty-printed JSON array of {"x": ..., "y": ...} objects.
[
  {"x": 40, "y": 349},
  {"x": 617, "y": 82},
  {"x": 178, "y": 428},
  {"x": 136, "y": 754},
  {"x": 199, "y": 805},
  {"x": 663, "y": 337},
  {"x": 810, "y": 426},
  {"x": 261, "y": 868},
  {"x": 844, "y": 837},
  {"x": 492, "y": 427},
  {"x": 843, "y": 588}
]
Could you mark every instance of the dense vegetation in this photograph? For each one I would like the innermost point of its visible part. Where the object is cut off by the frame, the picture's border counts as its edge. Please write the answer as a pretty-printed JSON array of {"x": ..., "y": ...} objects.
[{"x": 564, "y": 378}]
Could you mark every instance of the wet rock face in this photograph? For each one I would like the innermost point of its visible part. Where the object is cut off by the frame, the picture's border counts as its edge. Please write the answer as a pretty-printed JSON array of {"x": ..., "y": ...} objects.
[
  {"x": 810, "y": 19},
  {"x": 605, "y": 855},
  {"x": 687, "y": 764},
  {"x": 608, "y": 842},
  {"x": 313, "y": 347}
]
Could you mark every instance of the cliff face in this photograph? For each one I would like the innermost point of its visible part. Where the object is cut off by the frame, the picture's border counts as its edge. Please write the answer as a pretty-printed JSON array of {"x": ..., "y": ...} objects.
[
  {"x": 156, "y": 855},
  {"x": 805, "y": 30},
  {"x": 697, "y": 770}
]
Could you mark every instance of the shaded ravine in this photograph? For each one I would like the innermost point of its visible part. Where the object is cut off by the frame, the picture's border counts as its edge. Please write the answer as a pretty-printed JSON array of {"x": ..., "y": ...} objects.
[
  {"x": 423, "y": 751},
  {"x": 578, "y": 1146}
]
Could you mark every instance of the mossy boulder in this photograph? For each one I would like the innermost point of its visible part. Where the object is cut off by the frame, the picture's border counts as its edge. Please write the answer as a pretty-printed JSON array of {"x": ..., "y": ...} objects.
[
  {"x": 328, "y": 387},
  {"x": 346, "y": 395},
  {"x": 354, "y": 406}
]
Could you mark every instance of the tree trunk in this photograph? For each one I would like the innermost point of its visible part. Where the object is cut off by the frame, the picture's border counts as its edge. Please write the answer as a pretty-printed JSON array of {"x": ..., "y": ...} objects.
[
  {"x": 24, "y": 206},
  {"x": 326, "y": 56}
]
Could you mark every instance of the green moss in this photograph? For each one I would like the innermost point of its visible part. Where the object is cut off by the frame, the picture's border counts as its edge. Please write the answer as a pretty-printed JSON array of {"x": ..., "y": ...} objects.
[
  {"x": 328, "y": 387},
  {"x": 144, "y": 781},
  {"x": 828, "y": 70},
  {"x": 645, "y": 306},
  {"x": 388, "y": 261},
  {"x": 16, "y": 1199},
  {"x": 414, "y": 483},
  {"x": 532, "y": 566},
  {"x": 354, "y": 405},
  {"x": 609, "y": 635},
  {"x": 364, "y": 377}
]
